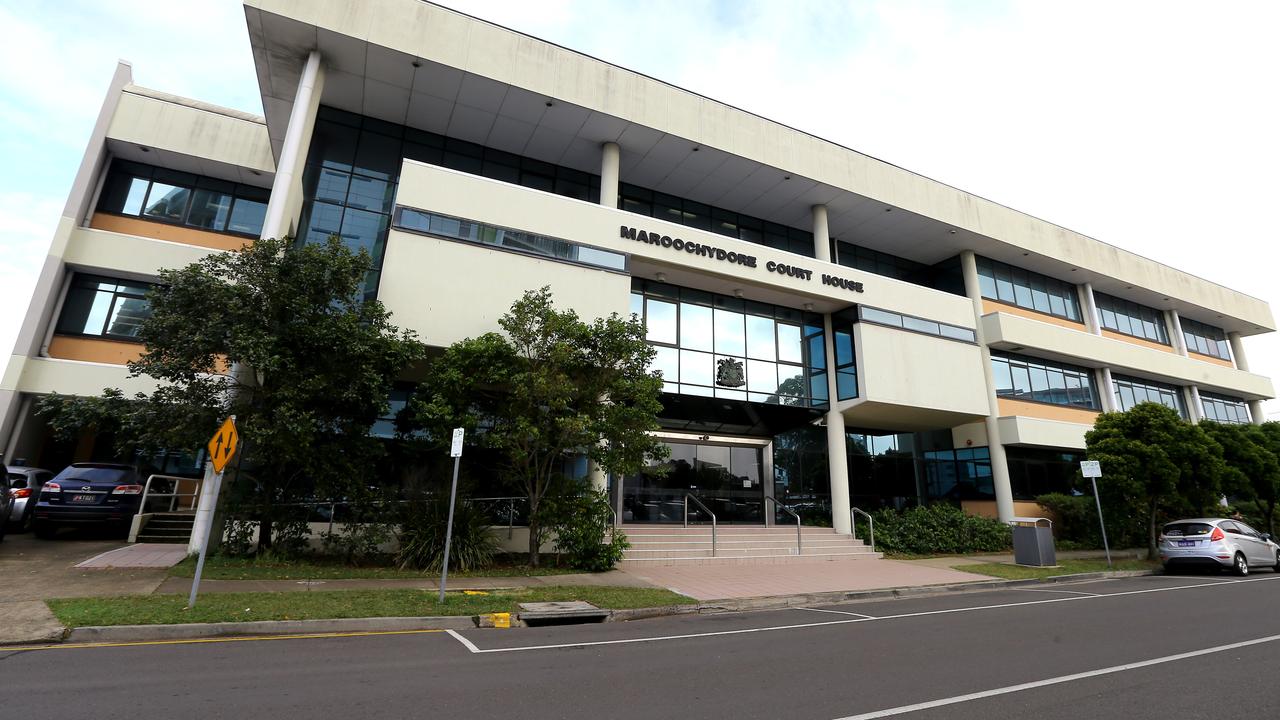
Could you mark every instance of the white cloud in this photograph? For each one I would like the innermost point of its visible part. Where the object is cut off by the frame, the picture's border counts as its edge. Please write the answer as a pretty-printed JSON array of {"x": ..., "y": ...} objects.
[{"x": 28, "y": 223}]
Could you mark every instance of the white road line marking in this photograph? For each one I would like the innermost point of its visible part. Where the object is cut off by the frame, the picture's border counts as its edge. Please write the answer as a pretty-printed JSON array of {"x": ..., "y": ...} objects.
[
  {"x": 879, "y": 618},
  {"x": 1069, "y": 592},
  {"x": 465, "y": 642},
  {"x": 837, "y": 612},
  {"x": 1057, "y": 680}
]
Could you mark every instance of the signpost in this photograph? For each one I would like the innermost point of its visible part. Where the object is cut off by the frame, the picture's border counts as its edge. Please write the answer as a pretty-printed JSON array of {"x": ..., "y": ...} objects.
[
  {"x": 455, "y": 452},
  {"x": 1092, "y": 469},
  {"x": 222, "y": 447}
]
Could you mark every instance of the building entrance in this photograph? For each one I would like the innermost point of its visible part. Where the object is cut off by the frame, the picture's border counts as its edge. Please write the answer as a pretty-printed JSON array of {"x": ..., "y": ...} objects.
[{"x": 727, "y": 478}]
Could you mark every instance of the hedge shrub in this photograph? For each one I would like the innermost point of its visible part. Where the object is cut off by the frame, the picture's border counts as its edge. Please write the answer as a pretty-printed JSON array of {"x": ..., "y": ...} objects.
[{"x": 939, "y": 529}]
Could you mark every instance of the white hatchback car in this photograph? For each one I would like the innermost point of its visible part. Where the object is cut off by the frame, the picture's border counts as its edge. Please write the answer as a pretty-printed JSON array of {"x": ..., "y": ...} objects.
[{"x": 1216, "y": 543}]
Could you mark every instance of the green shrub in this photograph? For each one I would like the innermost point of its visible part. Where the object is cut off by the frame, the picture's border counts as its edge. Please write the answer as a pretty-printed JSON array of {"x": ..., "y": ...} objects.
[
  {"x": 939, "y": 529},
  {"x": 1075, "y": 523},
  {"x": 584, "y": 533},
  {"x": 422, "y": 536}
]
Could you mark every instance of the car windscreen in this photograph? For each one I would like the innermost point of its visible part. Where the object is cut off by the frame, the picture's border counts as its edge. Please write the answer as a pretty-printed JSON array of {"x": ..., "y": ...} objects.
[
  {"x": 1187, "y": 529},
  {"x": 96, "y": 474}
]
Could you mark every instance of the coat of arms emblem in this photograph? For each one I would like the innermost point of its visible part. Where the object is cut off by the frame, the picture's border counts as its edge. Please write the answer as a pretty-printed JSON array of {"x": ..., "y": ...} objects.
[{"x": 729, "y": 373}]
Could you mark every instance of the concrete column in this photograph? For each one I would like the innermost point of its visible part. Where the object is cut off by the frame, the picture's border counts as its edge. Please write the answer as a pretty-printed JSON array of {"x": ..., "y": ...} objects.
[
  {"x": 1174, "y": 325},
  {"x": 837, "y": 460},
  {"x": 1107, "y": 391},
  {"x": 599, "y": 479},
  {"x": 999, "y": 462},
  {"x": 1256, "y": 412},
  {"x": 1237, "y": 351},
  {"x": 821, "y": 234},
  {"x": 1195, "y": 410},
  {"x": 610, "y": 162},
  {"x": 286, "y": 190},
  {"x": 1092, "y": 321}
]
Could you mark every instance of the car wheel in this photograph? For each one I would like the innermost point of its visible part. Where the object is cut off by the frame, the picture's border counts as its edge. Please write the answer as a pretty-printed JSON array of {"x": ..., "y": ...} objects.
[
  {"x": 1241, "y": 566},
  {"x": 44, "y": 531},
  {"x": 24, "y": 525},
  {"x": 1276, "y": 567}
]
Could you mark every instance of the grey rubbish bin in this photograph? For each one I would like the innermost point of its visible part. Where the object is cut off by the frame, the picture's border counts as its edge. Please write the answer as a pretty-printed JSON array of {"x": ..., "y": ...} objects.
[{"x": 1033, "y": 541}]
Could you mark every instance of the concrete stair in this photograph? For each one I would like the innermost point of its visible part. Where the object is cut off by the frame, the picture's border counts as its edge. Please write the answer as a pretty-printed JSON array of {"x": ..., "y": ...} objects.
[
  {"x": 167, "y": 528},
  {"x": 654, "y": 545}
]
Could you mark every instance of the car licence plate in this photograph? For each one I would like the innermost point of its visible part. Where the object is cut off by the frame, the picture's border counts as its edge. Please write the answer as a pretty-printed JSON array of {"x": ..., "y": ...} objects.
[
  {"x": 1186, "y": 543},
  {"x": 84, "y": 498}
]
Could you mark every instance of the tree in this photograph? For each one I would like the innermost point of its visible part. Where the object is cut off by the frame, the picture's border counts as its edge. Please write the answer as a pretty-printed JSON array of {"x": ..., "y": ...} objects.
[
  {"x": 283, "y": 338},
  {"x": 1155, "y": 462},
  {"x": 1252, "y": 469},
  {"x": 548, "y": 388},
  {"x": 1266, "y": 485}
]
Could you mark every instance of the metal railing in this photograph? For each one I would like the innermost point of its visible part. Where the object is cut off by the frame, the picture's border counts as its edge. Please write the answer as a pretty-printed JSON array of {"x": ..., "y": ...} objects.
[
  {"x": 794, "y": 514},
  {"x": 173, "y": 496},
  {"x": 707, "y": 510},
  {"x": 853, "y": 524}
]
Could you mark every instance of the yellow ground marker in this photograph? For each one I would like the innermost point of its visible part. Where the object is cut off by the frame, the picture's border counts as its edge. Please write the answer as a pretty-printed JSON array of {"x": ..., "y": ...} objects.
[{"x": 200, "y": 641}]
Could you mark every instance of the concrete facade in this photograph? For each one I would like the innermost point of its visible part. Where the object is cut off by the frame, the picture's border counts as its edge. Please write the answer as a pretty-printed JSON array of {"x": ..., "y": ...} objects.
[{"x": 920, "y": 347}]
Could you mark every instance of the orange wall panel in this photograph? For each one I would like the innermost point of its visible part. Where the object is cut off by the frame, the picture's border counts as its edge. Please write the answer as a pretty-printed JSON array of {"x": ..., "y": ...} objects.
[
  {"x": 991, "y": 306},
  {"x": 1136, "y": 340},
  {"x": 987, "y": 508},
  {"x": 165, "y": 231},
  {"x": 1211, "y": 359},
  {"x": 111, "y": 352},
  {"x": 1045, "y": 411}
]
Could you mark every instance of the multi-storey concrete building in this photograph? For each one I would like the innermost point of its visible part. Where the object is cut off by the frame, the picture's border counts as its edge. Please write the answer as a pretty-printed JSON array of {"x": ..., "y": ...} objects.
[{"x": 833, "y": 330}]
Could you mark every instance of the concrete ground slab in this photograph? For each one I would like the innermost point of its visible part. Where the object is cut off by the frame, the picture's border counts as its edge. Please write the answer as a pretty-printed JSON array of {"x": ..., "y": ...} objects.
[
  {"x": 615, "y": 578},
  {"x": 34, "y": 569},
  {"x": 710, "y": 582},
  {"x": 139, "y": 555},
  {"x": 28, "y": 621}
]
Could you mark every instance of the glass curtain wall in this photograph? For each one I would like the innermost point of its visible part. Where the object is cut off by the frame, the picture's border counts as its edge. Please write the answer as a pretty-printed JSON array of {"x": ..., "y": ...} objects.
[
  {"x": 726, "y": 347},
  {"x": 727, "y": 478}
]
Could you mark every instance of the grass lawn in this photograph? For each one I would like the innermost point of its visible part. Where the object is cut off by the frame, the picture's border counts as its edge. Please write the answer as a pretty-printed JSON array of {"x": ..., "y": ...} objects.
[
  {"x": 319, "y": 568},
  {"x": 1065, "y": 567},
  {"x": 235, "y": 607}
]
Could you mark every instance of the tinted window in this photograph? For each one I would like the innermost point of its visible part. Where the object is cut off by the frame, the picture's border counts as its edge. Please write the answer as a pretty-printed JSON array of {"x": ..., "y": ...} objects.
[
  {"x": 97, "y": 474},
  {"x": 1026, "y": 289},
  {"x": 174, "y": 197},
  {"x": 1187, "y": 529}
]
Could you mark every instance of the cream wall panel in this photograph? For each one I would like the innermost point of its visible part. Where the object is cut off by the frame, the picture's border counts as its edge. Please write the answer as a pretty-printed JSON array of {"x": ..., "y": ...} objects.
[
  {"x": 1005, "y": 331},
  {"x": 475, "y": 46},
  {"x": 1019, "y": 430},
  {"x": 441, "y": 190},
  {"x": 108, "y": 251},
  {"x": 447, "y": 291},
  {"x": 191, "y": 131},
  {"x": 69, "y": 377},
  {"x": 914, "y": 370}
]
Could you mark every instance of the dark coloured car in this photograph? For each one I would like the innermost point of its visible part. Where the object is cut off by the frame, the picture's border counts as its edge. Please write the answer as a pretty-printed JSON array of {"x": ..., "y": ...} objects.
[{"x": 89, "y": 494}]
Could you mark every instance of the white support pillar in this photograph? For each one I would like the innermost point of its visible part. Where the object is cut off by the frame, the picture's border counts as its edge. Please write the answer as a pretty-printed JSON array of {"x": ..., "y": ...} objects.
[
  {"x": 286, "y": 190},
  {"x": 821, "y": 234},
  {"x": 837, "y": 460},
  {"x": 1174, "y": 323},
  {"x": 1107, "y": 391},
  {"x": 999, "y": 462},
  {"x": 610, "y": 164},
  {"x": 1091, "y": 319},
  {"x": 1195, "y": 410},
  {"x": 1237, "y": 351}
]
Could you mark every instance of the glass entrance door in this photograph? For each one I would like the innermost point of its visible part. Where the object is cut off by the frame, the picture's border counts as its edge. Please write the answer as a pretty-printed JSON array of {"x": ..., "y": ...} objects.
[{"x": 727, "y": 478}]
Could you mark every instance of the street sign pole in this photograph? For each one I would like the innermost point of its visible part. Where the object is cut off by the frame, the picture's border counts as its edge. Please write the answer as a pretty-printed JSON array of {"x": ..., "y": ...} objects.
[
  {"x": 222, "y": 447},
  {"x": 1092, "y": 469},
  {"x": 456, "y": 451}
]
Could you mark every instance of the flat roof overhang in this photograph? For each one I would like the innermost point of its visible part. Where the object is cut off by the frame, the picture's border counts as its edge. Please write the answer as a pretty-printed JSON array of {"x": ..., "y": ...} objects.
[{"x": 379, "y": 63}]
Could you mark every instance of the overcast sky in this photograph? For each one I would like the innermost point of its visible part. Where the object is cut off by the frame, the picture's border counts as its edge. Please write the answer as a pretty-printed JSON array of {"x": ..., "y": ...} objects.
[{"x": 1148, "y": 125}]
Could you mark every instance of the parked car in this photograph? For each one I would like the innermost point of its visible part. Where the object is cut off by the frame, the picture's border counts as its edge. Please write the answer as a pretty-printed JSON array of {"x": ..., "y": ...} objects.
[
  {"x": 6, "y": 500},
  {"x": 1217, "y": 543},
  {"x": 104, "y": 494},
  {"x": 24, "y": 489}
]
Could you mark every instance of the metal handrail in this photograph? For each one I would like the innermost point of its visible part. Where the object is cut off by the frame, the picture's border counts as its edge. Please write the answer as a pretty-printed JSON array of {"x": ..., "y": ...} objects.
[
  {"x": 707, "y": 510},
  {"x": 146, "y": 492},
  {"x": 853, "y": 524},
  {"x": 794, "y": 514}
]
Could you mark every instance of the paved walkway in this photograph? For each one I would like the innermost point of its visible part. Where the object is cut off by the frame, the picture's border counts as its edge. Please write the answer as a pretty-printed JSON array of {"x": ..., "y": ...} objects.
[
  {"x": 141, "y": 555},
  {"x": 720, "y": 582}
]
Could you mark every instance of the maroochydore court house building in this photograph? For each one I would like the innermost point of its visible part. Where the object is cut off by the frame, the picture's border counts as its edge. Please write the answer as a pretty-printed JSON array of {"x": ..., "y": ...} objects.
[{"x": 832, "y": 330}]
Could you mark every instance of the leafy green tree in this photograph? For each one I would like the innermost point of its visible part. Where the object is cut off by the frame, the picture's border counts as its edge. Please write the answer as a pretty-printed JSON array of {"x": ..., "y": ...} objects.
[
  {"x": 1266, "y": 485},
  {"x": 548, "y": 388},
  {"x": 1252, "y": 469},
  {"x": 283, "y": 338},
  {"x": 1155, "y": 462}
]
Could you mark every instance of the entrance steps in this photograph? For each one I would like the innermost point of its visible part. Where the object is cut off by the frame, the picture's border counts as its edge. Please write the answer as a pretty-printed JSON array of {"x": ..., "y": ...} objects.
[
  {"x": 653, "y": 545},
  {"x": 167, "y": 528}
]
